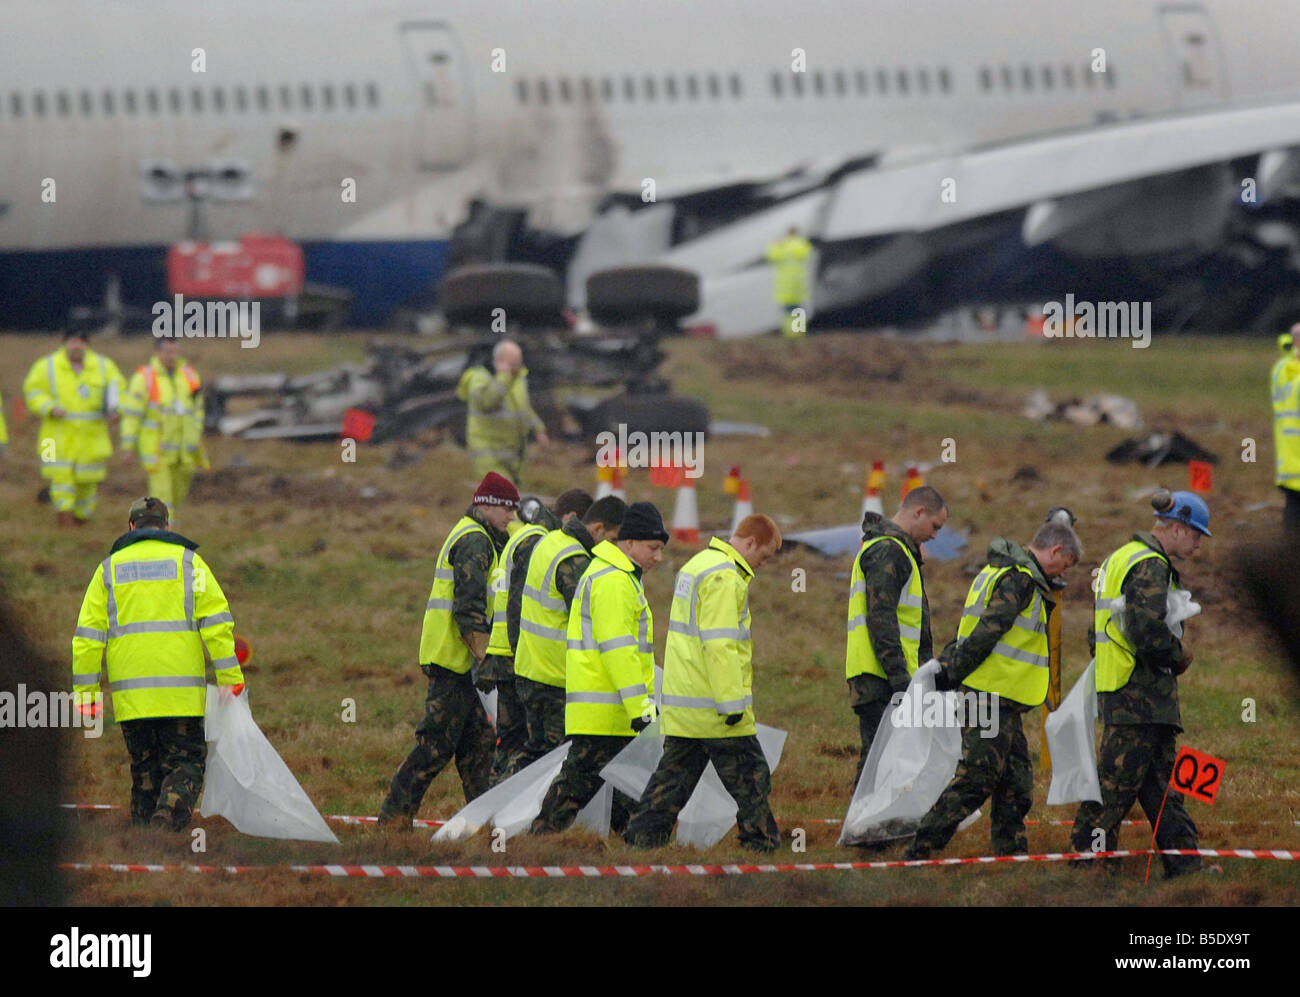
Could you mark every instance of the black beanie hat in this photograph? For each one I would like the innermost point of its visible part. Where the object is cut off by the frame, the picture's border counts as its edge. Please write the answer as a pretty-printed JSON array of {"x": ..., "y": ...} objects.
[{"x": 642, "y": 521}]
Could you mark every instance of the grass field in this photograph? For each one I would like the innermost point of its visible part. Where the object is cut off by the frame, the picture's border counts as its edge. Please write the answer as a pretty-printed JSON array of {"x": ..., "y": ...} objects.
[{"x": 329, "y": 585}]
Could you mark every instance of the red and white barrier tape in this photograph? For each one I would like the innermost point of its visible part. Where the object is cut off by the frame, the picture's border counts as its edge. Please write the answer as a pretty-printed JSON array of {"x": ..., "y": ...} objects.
[
  {"x": 632, "y": 871},
  {"x": 420, "y": 822}
]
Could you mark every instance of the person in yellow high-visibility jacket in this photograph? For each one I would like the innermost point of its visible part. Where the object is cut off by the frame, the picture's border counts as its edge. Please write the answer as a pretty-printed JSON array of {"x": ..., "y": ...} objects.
[
  {"x": 501, "y": 418},
  {"x": 1284, "y": 386},
  {"x": 1000, "y": 659},
  {"x": 162, "y": 421},
  {"x": 790, "y": 259},
  {"x": 4, "y": 429},
  {"x": 609, "y": 681},
  {"x": 153, "y": 612},
  {"x": 76, "y": 392},
  {"x": 708, "y": 703}
]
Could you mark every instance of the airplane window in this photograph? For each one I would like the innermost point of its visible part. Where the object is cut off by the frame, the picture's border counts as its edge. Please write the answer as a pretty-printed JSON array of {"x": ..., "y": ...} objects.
[
  {"x": 715, "y": 87},
  {"x": 945, "y": 79},
  {"x": 923, "y": 79},
  {"x": 1008, "y": 79},
  {"x": 196, "y": 99},
  {"x": 629, "y": 88},
  {"x": 882, "y": 82},
  {"x": 860, "y": 79},
  {"x": 606, "y": 88},
  {"x": 819, "y": 83},
  {"x": 692, "y": 87},
  {"x": 286, "y": 97},
  {"x": 1067, "y": 76},
  {"x": 151, "y": 100},
  {"x": 130, "y": 102},
  {"x": 588, "y": 91},
  {"x": 737, "y": 90},
  {"x": 566, "y": 93},
  {"x": 521, "y": 91},
  {"x": 175, "y": 100},
  {"x": 902, "y": 80},
  {"x": 543, "y": 91},
  {"x": 776, "y": 83},
  {"x": 218, "y": 100},
  {"x": 305, "y": 92},
  {"x": 649, "y": 88},
  {"x": 372, "y": 94},
  {"x": 670, "y": 87},
  {"x": 87, "y": 104},
  {"x": 38, "y": 104},
  {"x": 798, "y": 83},
  {"x": 986, "y": 78},
  {"x": 1048, "y": 79},
  {"x": 350, "y": 94},
  {"x": 61, "y": 99},
  {"x": 1027, "y": 76},
  {"x": 327, "y": 96},
  {"x": 108, "y": 102}
]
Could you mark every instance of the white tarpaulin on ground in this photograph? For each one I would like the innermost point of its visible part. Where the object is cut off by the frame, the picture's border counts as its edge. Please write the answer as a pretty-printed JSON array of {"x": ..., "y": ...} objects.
[
  {"x": 907, "y": 769},
  {"x": 1071, "y": 740},
  {"x": 511, "y": 805},
  {"x": 1071, "y": 728},
  {"x": 247, "y": 782}
]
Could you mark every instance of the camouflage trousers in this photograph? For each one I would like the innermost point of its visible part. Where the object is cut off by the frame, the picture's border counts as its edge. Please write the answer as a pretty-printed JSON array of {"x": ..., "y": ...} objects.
[
  {"x": 455, "y": 725},
  {"x": 579, "y": 780},
  {"x": 739, "y": 763},
  {"x": 544, "y": 718},
  {"x": 168, "y": 758},
  {"x": 996, "y": 766},
  {"x": 869, "y": 717},
  {"x": 1134, "y": 764},
  {"x": 512, "y": 730}
]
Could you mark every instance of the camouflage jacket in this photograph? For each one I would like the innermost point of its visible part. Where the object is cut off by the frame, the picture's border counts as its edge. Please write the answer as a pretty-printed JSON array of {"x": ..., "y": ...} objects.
[
  {"x": 1151, "y": 694},
  {"x": 1011, "y": 595},
  {"x": 471, "y": 565},
  {"x": 519, "y": 573},
  {"x": 886, "y": 570}
]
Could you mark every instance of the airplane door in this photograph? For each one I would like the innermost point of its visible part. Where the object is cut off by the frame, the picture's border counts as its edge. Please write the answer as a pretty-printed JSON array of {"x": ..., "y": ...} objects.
[
  {"x": 1196, "y": 57},
  {"x": 444, "y": 111}
]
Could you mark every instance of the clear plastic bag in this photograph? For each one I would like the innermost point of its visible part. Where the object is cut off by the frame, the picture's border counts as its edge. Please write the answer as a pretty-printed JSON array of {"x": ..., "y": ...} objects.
[
  {"x": 906, "y": 770},
  {"x": 247, "y": 782},
  {"x": 711, "y": 811},
  {"x": 1071, "y": 740}
]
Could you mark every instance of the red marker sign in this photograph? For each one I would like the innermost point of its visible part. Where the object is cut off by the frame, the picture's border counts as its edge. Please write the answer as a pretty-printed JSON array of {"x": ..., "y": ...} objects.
[
  {"x": 1197, "y": 774},
  {"x": 358, "y": 425},
  {"x": 1200, "y": 476}
]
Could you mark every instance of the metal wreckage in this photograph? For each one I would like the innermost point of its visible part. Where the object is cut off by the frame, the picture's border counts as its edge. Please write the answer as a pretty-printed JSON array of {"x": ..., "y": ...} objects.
[{"x": 408, "y": 386}]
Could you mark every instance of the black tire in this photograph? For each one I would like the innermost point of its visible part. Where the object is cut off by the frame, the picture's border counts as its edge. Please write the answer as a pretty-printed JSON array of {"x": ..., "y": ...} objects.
[
  {"x": 621, "y": 294},
  {"x": 648, "y": 414},
  {"x": 527, "y": 293}
]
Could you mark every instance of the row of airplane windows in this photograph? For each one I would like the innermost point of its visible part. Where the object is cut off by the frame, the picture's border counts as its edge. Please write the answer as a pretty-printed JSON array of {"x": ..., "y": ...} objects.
[
  {"x": 239, "y": 100},
  {"x": 817, "y": 83}
]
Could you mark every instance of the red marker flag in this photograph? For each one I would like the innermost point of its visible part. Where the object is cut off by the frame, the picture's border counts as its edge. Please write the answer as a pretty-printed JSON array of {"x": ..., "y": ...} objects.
[
  {"x": 1197, "y": 774},
  {"x": 1200, "y": 476},
  {"x": 358, "y": 425}
]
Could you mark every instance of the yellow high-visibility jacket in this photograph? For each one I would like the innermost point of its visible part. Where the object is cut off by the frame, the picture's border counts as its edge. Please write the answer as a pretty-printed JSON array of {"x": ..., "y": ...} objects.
[
  {"x": 162, "y": 415},
  {"x": 4, "y": 429},
  {"x": 543, "y": 615},
  {"x": 499, "y": 642},
  {"x": 76, "y": 445},
  {"x": 441, "y": 642},
  {"x": 1285, "y": 384},
  {"x": 790, "y": 258},
  {"x": 152, "y": 609},
  {"x": 609, "y": 667},
  {"x": 501, "y": 418},
  {"x": 708, "y": 659},
  {"x": 1017, "y": 667}
]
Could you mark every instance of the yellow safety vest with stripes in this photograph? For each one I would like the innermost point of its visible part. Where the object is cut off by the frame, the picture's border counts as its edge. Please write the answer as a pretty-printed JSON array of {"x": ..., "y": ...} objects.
[
  {"x": 708, "y": 659},
  {"x": 500, "y": 432},
  {"x": 75, "y": 446},
  {"x": 162, "y": 415},
  {"x": 861, "y": 657},
  {"x": 151, "y": 609},
  {"x": 609, "y": 667},
  {"x": 1286, "y": 423},
  {"x": 544, "y": 617},
  {"x": 1017, "y": 667},
  {"x": 1116, "y": 656},
  {"x": 499, "y": 643},
  {"x": 440, "y": 639}
]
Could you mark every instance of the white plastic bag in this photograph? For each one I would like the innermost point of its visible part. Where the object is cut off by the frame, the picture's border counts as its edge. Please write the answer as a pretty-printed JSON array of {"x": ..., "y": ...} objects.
[
  {"x": 906, "y": 770},
  {"x": 1071, "y": 740},
  {"x": 711, "y": 811},
  {"x": 510, "y": 804},
  {"x": 630, "y": 770},
  {"x": 489, "y": 701},
  {"x": 247, "y": 782},
  {"x": 1179, "y": 606}
]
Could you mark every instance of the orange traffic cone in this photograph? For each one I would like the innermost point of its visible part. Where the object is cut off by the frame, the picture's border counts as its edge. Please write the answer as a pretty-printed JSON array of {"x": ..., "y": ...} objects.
[
  {"x": 913, "y": 479},
  {"x": 744, "y": 505},
  {"x": 871, "y": 490},
  {"x": 609, "y": 480},
  {"x": 686, "y": 514}
]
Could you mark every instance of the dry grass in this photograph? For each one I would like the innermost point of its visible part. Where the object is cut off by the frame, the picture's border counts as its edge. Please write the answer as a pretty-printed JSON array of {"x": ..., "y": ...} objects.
[{"x": 328, "y": 587}]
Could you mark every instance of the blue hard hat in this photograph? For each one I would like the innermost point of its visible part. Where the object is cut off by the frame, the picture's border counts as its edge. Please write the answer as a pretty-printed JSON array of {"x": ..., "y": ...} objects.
[{"x": 1189, "y": 508}]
